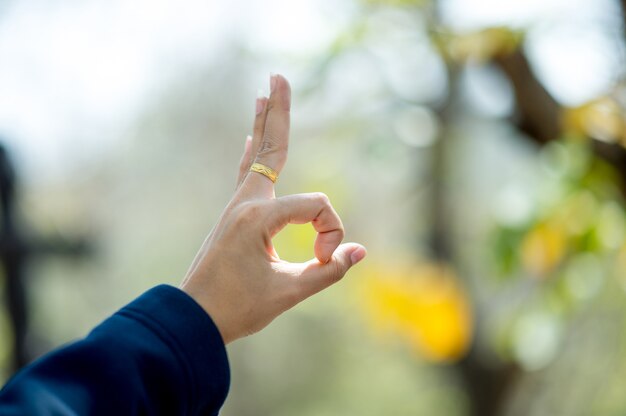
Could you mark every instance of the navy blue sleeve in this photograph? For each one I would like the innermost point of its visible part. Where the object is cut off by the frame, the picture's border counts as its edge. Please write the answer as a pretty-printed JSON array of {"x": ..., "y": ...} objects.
[{"x": 159, "y": 355}]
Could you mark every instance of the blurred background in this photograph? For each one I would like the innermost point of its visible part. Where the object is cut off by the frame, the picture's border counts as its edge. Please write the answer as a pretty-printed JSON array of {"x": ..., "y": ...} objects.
[{"x": 476, "y": 147}]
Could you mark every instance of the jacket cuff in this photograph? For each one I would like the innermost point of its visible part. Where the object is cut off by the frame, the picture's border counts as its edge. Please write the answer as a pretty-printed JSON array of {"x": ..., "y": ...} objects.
[{"x": 194, "y": 338}]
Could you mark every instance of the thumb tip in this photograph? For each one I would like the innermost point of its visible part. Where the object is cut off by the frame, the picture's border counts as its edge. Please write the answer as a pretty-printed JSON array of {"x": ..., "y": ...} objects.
[
  {"x": 351, "y": 251},
  {"x": 358, "y": 254}
]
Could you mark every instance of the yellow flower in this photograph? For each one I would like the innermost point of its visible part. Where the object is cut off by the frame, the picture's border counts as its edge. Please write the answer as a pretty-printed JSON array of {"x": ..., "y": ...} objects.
[
  {"x": 542, "y": 249},
  {"x": 423, "y": 304},
  {"x": 602, "y": 118}
]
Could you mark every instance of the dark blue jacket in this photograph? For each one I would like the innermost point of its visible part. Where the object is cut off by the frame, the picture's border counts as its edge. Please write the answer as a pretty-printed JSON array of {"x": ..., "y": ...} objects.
[{"x": 159, "y": 355}]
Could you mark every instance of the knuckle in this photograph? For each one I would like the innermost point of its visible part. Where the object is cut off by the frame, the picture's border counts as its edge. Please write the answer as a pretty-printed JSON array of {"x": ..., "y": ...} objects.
[
  {"x": 273, "y": 144},
  {"x": 274, "y": 138},
  {"x": 267, "y": 146},
  {"x": 322, "y": 198}
]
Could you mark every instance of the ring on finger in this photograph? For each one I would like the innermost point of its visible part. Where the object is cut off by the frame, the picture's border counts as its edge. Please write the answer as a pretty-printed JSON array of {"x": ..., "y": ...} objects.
[{"x": 266, "y": 171}]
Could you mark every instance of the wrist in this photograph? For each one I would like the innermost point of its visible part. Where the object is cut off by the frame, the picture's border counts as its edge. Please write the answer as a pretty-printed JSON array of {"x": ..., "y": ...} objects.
[{"x": 201, "y": 298}]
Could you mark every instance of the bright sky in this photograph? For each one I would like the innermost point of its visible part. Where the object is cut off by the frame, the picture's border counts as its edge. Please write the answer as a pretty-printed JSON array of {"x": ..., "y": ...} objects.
[
  {"x": 572, "y": 41},
  {"x": 74, "y": 73}
]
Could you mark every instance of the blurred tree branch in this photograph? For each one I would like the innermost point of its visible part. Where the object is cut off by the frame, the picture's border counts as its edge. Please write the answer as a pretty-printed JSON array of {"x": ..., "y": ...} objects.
[{"x": 538, "y": 114}]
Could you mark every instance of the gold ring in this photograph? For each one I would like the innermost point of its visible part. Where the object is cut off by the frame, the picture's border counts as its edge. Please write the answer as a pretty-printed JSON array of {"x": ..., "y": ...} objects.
[{"x": 266, "y": 171}]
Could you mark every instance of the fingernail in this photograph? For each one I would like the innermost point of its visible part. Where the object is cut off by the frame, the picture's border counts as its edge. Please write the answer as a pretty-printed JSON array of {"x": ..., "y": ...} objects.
[
  {"x": 260, "y": 104},
  {"x": 248, "y": 143},
  {"x": 357, "y": 255},
  {"x": 273, "y": 79}
]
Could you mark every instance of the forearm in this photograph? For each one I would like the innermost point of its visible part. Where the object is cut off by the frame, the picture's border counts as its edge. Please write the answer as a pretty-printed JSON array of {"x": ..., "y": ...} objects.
[{"x": 159, "y": 355}]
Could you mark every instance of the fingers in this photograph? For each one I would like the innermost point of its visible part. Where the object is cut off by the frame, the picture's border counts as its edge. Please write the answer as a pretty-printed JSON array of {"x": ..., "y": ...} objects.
[
  {"x": 316, "y": 276},
  {"x": 253, "y": 142},
  {"x": 274, "y": 142},
  {"x": 273, "y": 149},
  {"x": 259, "y": 127},
  {"x": 244, "y": 162},
  {"x": 316, "y": 209}
]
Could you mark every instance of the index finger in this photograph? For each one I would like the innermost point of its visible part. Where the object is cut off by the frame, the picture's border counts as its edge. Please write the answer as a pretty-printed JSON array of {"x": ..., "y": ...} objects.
[
  {"x": 272, "y": 150},
  {"x": 316, "y": 209}
]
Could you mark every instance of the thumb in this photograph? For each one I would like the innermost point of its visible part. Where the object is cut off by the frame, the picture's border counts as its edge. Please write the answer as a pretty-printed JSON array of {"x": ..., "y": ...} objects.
[{"x": 318, "y": 276}]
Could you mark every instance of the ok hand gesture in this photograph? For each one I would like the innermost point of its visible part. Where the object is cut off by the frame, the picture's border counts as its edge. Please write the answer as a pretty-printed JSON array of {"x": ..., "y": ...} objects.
[{"x": 237, "y": 277}]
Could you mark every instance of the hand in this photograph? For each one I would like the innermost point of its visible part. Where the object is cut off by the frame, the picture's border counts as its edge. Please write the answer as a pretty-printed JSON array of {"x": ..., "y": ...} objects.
[{"x": 237, "y": 276}]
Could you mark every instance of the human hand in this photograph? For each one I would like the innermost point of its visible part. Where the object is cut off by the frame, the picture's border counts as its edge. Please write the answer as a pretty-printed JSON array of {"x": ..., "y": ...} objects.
[{"x": 237, "y": 276}]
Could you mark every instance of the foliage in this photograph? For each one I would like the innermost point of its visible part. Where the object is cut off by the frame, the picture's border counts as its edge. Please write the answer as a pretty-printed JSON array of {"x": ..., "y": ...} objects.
[
  {"x": 479, "y": 46},
  {"x": 602, "y": 118}
]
